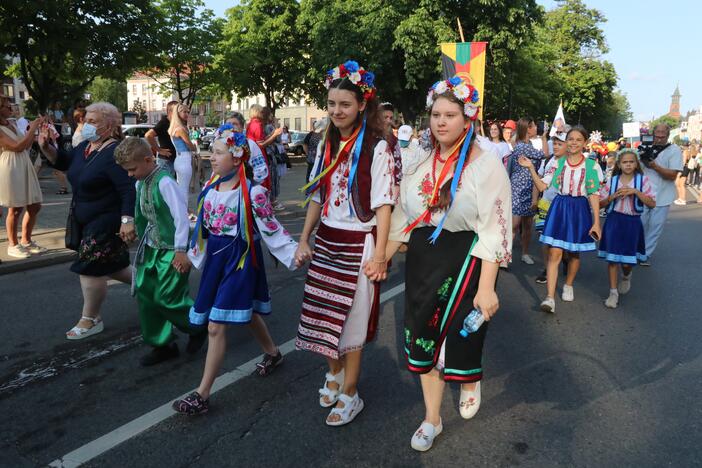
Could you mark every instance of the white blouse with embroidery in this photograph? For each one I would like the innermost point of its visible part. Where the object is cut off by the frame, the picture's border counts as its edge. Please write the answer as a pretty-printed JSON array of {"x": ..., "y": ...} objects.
[
  {"x": 483, "y": 203},
  {"x": 574, "y": 179},
  {"x": 338, "y": 214},
  {"x": 221, "y": 217}
]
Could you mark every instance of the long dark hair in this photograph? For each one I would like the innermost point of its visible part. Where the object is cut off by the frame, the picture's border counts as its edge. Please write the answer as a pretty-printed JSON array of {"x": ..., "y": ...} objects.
[
  {"x": 445, "y": 191},
  {"x": 523, "y": 128},
  {"x": 375, "y": 129}
]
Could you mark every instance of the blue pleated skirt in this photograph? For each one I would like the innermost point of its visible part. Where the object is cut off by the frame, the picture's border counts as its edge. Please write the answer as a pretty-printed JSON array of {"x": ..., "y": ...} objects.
[
  {"x": 623, "y": 239},
  {"x": 228, "y": 295},
  {"x": 567, "y": 224}
]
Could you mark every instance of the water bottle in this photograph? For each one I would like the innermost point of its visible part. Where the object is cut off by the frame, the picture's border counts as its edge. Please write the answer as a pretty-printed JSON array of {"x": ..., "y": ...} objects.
[{"x": 471, "y": 324}]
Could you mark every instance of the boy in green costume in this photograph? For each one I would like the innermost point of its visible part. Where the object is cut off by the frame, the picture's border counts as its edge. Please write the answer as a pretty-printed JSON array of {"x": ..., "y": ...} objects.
[{"x": 161, "y": 264}]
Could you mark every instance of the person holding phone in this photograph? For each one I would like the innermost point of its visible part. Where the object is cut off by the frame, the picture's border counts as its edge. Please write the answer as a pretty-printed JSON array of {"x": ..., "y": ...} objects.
[{"x": 572, "y": 223}]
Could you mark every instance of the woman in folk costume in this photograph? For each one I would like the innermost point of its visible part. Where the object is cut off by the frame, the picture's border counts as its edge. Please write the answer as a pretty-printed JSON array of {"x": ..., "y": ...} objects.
[
  {"x": 233, "y": 216},
  {"x": 455, "y": 214},
  {"x": 351, "y": 192}
]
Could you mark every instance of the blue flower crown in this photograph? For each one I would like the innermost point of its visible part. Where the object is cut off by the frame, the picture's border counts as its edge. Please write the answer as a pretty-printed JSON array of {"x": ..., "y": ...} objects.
[{"x": 356, "y": 74}]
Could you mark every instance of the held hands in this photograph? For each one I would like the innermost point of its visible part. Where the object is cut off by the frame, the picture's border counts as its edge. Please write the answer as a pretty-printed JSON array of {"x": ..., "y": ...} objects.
[
  {"x": 127, "y": 233},
  {"x": 181, "y": 263},
  {"x": 303, "y": 254},
  {"x": 487, "y": 303},
  {"x": 376, "y": 270}
]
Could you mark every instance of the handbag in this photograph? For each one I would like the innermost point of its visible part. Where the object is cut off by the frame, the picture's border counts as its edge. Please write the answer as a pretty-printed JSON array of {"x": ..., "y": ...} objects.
[{"x": 73, "y": 229}]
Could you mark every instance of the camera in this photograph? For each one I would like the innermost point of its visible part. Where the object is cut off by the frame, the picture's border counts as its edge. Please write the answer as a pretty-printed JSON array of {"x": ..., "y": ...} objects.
[{"x": 646, "y": 150}]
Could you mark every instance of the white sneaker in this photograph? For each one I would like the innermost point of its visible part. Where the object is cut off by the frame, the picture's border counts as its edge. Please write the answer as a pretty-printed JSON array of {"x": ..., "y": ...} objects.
[
  {"x": 469, "y": 403},
  {"x": 549, "y": 305},
  {"x": 527, "y": 259},
  {"x": 34, "y": 248},
  {"x": 17, "y": 251},
  {"x": 680, "y": 202},
  {"x": 423, "y": 438},
  {"x": 625, "y": 284},
  {"x": 612, "y": 301},
  {"x": 568, "y": 295}
]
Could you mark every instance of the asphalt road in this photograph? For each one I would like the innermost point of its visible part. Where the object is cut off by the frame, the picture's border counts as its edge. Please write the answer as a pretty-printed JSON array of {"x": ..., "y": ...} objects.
[{"x": 585, "y": 387}]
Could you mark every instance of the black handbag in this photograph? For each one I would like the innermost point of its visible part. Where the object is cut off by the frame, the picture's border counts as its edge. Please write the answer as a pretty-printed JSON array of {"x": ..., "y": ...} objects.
[{"x": 73, "y": 229}]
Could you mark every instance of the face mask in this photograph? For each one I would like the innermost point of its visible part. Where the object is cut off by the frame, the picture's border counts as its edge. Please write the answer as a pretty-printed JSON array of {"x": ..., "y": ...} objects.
[{"x": 89, "y": 132}]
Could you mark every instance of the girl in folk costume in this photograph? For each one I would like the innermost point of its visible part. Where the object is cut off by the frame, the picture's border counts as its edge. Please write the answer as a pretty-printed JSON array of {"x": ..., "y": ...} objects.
[
  {"x": 351, "y": 192},
  {"x": 625, "y": 196},
  {"x": 455, "y": 213},
  {"x": 233, "y": 216},
  {"x": 570, "y": 224}
]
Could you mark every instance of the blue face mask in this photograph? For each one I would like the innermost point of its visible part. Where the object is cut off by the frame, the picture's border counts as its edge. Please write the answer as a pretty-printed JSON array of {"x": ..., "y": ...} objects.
[{"x": 89, "y": 132}]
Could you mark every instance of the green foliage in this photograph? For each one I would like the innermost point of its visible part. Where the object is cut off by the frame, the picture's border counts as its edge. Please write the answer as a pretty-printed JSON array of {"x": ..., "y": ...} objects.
[
  {"x": 261, "y": 51},
  {"x": 112, "y": 91},
  {"x": 187, "y": 46},
  {"x": 140, "y": 109},
  {"x": 672, "y": 122},
  {"x": 64, "y": 44}
]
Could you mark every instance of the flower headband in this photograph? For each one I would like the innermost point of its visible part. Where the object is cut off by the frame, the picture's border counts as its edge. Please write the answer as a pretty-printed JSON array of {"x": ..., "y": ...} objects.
[
  {"x": 463, "y": 91},
  {"x": 628, "y": 151},
  {"x": 236, "y": 142},
  {"x": 355, "y": 74}
]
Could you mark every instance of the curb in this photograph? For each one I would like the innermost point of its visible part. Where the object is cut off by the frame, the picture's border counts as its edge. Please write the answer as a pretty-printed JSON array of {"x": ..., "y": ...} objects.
[{"x": 47, "y": 259}]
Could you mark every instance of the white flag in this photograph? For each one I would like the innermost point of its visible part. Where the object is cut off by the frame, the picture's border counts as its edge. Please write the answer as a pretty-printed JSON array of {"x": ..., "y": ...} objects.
[{"x": 558, "y": 121}]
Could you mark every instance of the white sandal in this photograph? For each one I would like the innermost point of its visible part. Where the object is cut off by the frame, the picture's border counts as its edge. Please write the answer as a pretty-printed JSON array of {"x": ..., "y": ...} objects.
[
  {"x": 470, "y": 402},
  {"x": 352, "y": 406},
  {"x": 79, "y": 332},
  {"x": 331, "y": 394}
]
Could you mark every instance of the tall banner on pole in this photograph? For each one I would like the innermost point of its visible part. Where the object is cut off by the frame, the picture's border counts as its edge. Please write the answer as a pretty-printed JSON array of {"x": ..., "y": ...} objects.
[{"x": 467, "y": 60}]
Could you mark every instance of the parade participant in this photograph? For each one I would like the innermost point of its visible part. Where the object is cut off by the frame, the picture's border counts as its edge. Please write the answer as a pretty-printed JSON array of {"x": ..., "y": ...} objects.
[
  {"x": 662, "y": 170},
  {"x": 311, "y": 142},
  {"x": 161, "y": 264},
  {"x": 160, "y": 140},
  {"x": 257, "y": 160},
  {"x": 495, "y": 134},
  {"x": 623, "y": 241},
  {"x": 388, "y": 114},
  {"x": 233, "y": 216},
  {"x": 351, "y": 192},
  {"x": 524, "y": 195},
  {"x": 559, "y": 150},
  {"x": 19, "y": 185},
  {"x": 571, "y": 225},
  {"x": 100, "y": 220},
  {"x": 178, "y": 132},
  {"x": 454, "y": 212},
  {"x": 256, "y": 131}
]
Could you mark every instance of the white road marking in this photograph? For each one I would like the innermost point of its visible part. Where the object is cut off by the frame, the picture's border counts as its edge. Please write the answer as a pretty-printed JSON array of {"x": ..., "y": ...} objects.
[{"x": 135, "y": 427}]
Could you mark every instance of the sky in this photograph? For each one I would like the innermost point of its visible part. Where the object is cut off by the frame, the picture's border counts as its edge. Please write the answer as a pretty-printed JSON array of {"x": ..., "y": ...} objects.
[{"x": 654, "y": 46}]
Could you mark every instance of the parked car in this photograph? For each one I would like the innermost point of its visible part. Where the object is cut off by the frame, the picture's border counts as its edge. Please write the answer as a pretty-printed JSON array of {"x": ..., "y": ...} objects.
[
  {"x": 206, "y": 139},
  {"x": 295, "y": 146},
  {"x": 136, "y": 130}
]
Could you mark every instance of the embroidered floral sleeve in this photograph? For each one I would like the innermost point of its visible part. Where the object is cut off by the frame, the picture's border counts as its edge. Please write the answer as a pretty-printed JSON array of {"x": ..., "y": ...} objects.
[
  {"x": 258, "y": 163},
  {"x": 275, "y": 236},
  {"x": 494, "y": 226},
  {"x": 382, "y": 176}
]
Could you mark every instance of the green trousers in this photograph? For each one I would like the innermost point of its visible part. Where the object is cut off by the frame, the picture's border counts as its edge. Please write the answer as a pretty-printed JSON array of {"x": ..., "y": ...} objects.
[{"x": 164, "y": 298}]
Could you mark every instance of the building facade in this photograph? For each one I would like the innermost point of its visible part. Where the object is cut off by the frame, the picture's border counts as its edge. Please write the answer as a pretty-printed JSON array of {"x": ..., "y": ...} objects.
[{"x": 297, "y": 115}]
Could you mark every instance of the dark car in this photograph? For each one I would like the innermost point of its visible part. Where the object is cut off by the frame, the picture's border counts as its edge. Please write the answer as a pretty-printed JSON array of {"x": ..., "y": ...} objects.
[{"x": 295, "y": 146}]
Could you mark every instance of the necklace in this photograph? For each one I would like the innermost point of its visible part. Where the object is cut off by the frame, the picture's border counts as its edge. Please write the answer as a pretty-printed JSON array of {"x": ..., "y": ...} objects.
[{"x": 582, "y": 158}]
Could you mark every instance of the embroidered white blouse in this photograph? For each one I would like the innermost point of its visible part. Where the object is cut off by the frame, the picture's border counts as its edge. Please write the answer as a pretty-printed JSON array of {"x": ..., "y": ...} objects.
[
  {"x": 573, "y": 179},
  {"x": 221, "y": 217},
  {"x": 483, "y": 203},
  {"x": 339, "y": 215}
]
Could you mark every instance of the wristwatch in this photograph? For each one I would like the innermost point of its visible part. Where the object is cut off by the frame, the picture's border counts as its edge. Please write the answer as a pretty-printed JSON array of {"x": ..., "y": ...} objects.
[{"x": 127, "y": 219}]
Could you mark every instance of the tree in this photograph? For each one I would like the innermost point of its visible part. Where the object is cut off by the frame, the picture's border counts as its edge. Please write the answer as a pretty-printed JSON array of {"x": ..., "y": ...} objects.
[
  {"x": 112, "y": 91},
  {"x": 399, "y": 41},
  {"x": 666, "y": 119},
  {"x": 262, "y": 51},
  {"x": 140, "y": 109},
  {"x": 63, "y": 45},
  {"x": 188, "y": 37}
]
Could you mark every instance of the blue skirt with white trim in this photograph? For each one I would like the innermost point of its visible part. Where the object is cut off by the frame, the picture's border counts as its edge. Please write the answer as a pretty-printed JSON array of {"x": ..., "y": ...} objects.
[
  {"x": 228, "y": 295},
  {"x": 568, "y": 224},
  {"x": 623, "y": 239}
]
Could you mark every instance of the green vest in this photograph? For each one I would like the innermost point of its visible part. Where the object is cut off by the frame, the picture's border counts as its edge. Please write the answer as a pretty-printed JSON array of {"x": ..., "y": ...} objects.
[
  {"x": 592, "y": 178},
  {"x": 151, "y": 209}
]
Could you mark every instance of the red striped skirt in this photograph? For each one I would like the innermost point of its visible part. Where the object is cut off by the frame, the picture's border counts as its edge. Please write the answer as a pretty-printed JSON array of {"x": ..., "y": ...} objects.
[{"x": 330, "y": 290}]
